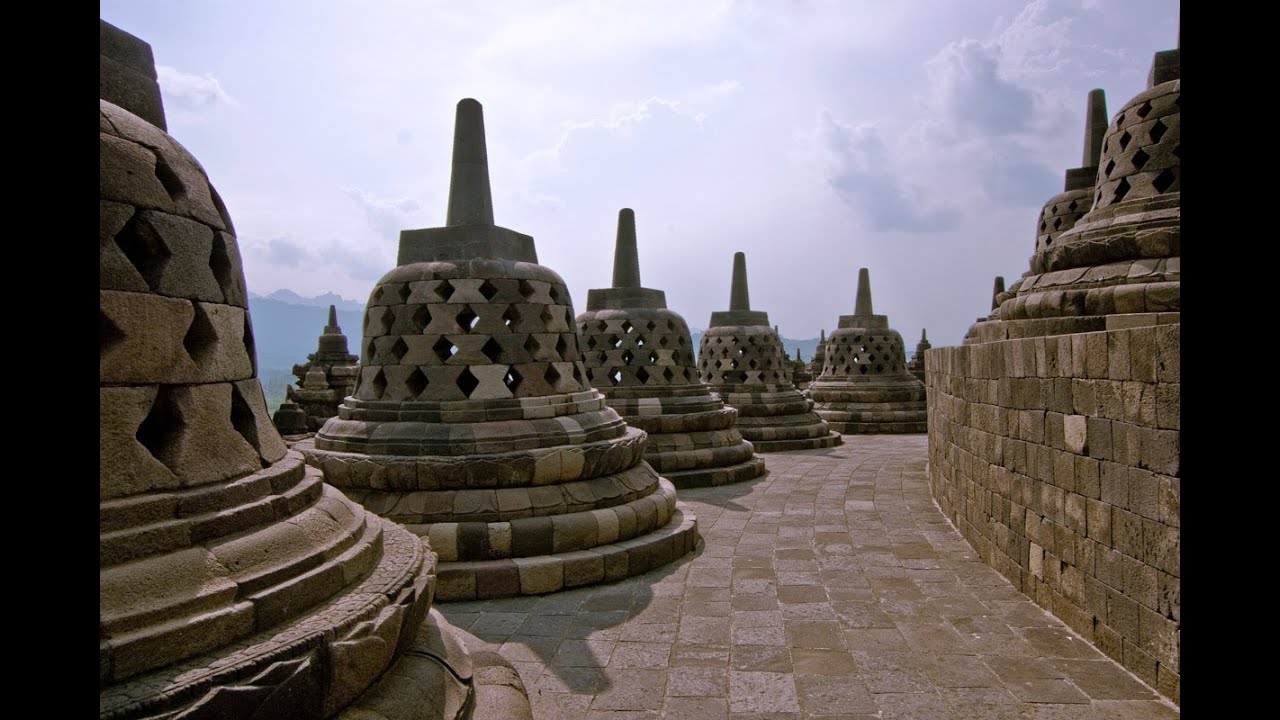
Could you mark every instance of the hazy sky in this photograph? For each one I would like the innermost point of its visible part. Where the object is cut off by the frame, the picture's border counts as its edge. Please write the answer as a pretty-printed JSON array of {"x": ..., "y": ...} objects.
[{"x": 917, "y": 138}]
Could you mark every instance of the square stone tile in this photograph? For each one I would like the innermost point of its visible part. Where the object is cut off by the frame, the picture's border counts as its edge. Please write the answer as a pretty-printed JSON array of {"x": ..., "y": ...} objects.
[
  {"x": 806, "y": 661},
  {"x": 638, "y": 689},
  {"x": 698, "y": 682},
  {"x": 762, "y": 692},
  {"x": 771, "y": 658},
  {"x": 827, "y": 695}
]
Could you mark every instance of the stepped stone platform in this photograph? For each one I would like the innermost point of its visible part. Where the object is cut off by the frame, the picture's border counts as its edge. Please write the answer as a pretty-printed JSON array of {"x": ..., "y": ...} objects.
[
  {"x": 740, "y": 357},
  {"x": 325, "y": 379},
  {"x": 639, "y": 354},
  {"x": 473, "y": 423},
  {"x": 233, "y": 582},
  {"x": 865, "y": 386},
  {"x": 832, "y": 588}
]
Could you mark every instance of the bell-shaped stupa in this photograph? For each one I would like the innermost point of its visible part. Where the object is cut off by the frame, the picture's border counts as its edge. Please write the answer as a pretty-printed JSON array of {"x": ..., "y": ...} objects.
[
  {"x": 328, "y": 376},
  {"x": 741, "y": 358},
  {"x": 819, "y": 355},
  {"x": 865, "y": 386},
  {"x": 916, "y": 365},
  {"x": 640, "y": 355},
  {"x": 800, "y": 375},
  {"x": 233, "y": 582},
  {"x": 473, "y": 422},
  {"x": 1119, "y": 252},
  {"x": 290, "y": 419}
]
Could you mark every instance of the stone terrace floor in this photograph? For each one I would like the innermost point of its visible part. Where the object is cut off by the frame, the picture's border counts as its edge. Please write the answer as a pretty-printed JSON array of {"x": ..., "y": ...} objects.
[{"x": 831, "y": 588}]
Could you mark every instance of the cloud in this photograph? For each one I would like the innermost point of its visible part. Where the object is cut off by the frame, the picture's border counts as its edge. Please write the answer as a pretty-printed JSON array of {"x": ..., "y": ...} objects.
[
  {"x": 1011, "y": 177},
  {"x": 284, "y": 251},
  {"x": 970, "y": 96},
  {"x": 386, "y": 216},
  {"x": 857, "y": 167},
  {"x": 192, "y": 91},
  {"x": 288, "y": 252}
]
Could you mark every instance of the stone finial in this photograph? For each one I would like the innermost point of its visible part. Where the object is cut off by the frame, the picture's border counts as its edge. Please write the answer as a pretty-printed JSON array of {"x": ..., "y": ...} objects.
[
  {"x": 997, "y": 291},
  {"x": 1166, "y": 64},
  {"x": 626, "y": 259},
  {"x": 798, "y": 355},
  {"x": 823, "y": 336},
  {"x": 1095, "y": 127},
  {"x": 739, "y": 297},
  {"x": 776, "y": 331},
  {"x": 470, "y": 199},
  {"x": 924, "y": 335},
  {"x": 332, "y": 328},
  {"x": 863, "y": 303}
]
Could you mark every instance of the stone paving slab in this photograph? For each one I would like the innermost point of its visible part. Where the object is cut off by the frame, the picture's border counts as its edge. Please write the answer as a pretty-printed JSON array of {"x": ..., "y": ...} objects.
[{"x": 832, "y": 588}]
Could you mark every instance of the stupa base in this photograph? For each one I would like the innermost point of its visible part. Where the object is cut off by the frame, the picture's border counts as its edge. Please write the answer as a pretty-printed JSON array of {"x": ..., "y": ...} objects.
[
  {"x": 714, "y": 476},
  {"x": 542, "y": 574}
]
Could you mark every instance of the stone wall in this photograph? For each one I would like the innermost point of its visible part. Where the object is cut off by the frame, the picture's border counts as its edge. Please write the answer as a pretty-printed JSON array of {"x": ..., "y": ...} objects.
[{"x": 1058, "y": 459}]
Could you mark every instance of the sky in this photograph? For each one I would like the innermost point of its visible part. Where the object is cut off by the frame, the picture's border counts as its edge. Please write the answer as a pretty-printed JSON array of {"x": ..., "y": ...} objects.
[{"x": 916, "y": 138}]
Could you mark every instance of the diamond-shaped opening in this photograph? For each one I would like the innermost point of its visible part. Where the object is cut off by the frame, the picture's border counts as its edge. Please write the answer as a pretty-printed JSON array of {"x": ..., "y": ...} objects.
[
  {"x": 467, "y": 319},
  {"x": 144, "y": 249},
  {"x": 1164, "y": 180},
  {"x": 626, "y": 326},
  {"x": 444, "y": 349},
  {"x": 1111, "y": 165},
  {"x": 615, "y": 376},
  {"x": 680, "y": 341},
  {"x": 751, "y": 339},
  {"x": 1144, "y": 109},
  {"x": 733, "y": 364},
  {"x": 742, "y": 376},
  {"x": 640, "y": 341},
  {"x": 109, "y": 336},
  {"x": 467, "y": 382},
  {"x": 512, "y": 379},
  {"x": 601, "y": 326},
  {"x": 863, "y": 369},
  {"x": 667, "y": 374},
  {"x": 250, "y": 347},
  {"x": 642, "y": 375},
  {"x": 554, "y": 293},
  {"x": 201, "y": 339},
  {"x": 379, "y": 384},
  {"x": 1075, "y": 205},
  {"x": 753, "y": 364},
  {"x": 1122, "y": 189},
  {"x": 880, "y": 368},
  {"x": 551, "y": 375},
  {"x": 591, "y": 342},
  {"x": 615, "y": 341},
  {"x": 1157, "y": 131},
  {"x": 577, "y": 373},
  {"x": 1119, "y": 119},
  {"x": 602, "y": 358},
  {"x": 421, "y": 318},
  {"x": 650, "y": 326},
  {"x": 532, "y": 346},
  {"x": 627, "y": 357},
  {"x": 445, "y": 290},
  {"x": 862, "y": 348},
  {"x": 742, "y": 352},
  {"x": 510, "y": 316},
  {"x": 399, "y": 349},
  {"x": 1057, "y": 224},
  {"x": 562, "y": 348},
  {"x": 492, "y": 350},
  {"x": 526, "y": 289},
  {"x": 545, "y": 316},
  {"x": 169, "y": 179},
  {"x": 1125, "y": 139},
  {"x": 220, "y": 264},
  {"x": 404, "y": 292},
  {"x": 488, "y": 290},
  {"x": 1042, "y": 226},
  {"x": 161, "y": 428},
  {"x": 369, "y": 349},
  {"x": 653, "y": 357},
  {"x": 1140, "y": 158},
  {"x": 416, "y": 382}
]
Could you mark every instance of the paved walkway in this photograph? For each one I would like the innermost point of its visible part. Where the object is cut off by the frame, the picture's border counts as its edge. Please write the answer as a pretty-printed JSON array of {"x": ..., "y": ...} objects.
[{"x": 831, "y": 588}]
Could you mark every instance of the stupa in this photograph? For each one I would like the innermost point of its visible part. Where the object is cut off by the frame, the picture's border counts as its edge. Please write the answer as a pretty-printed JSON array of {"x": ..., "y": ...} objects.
[
  {"x": 865, "y": 386},
  {"x": 290, "y": 419},
  {"x": 233, "y": 583},
  {"x": 800, "y": 375},
  {"x": 639, "y": 354},
  {"x": 741, "y": 358},
  {"x": 819, "y": 355},
  {"x": 473, "y": 422},
  {"x": 328, "y": 376},
  {"x": 916, "y": 365}
]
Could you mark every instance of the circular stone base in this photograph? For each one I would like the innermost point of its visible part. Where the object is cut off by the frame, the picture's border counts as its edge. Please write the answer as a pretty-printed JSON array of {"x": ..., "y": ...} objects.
[
  {"x": 711, "y": 477},
  {"x": 827, "y": 441},
  {"x": 487, "y": 579},
  {"x": 878, "y": 428}
]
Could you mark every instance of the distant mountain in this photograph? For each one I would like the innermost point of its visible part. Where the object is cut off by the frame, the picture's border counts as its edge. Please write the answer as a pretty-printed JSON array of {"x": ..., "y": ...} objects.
[{"x": 290, "y": 297}]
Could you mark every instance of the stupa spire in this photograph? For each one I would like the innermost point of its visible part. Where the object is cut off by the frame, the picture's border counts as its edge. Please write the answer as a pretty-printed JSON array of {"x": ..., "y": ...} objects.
[
  {"x": 863, "y": 303},
  {"x": 739, "y": 297},
  {"x": 470, "y": 199},
  {"x": 626, "y": 259},
  {"x": 996, "y": 291},
  {"x": 1095, "y": 127}
]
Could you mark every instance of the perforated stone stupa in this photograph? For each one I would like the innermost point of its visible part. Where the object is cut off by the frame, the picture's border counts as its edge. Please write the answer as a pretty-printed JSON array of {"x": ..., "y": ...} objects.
[
  {"x": 865, "y": 386},
  {"x": 819, "y": 355},
  {"x": 233, "y": 582},
  {"x": 328, "y": 376},
  {"x": 640, "y": 355},
  {"x": 473, "y": 422},
  {"x": 800, "y": 375},
  {"x": 916, "y": 365},
  {"x": 741, "y": 358}
]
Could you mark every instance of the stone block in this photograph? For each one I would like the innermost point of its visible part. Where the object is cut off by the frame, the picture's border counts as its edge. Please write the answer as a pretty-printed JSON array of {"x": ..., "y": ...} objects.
[
  {"x": 539, "y": 575},
  {"x": 1075, "y": 434}
]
